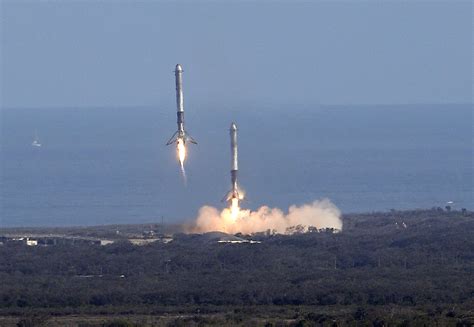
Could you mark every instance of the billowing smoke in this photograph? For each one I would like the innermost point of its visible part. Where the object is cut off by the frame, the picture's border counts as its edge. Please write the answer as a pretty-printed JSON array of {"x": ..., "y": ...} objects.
[{"x": 319, "y": 214}]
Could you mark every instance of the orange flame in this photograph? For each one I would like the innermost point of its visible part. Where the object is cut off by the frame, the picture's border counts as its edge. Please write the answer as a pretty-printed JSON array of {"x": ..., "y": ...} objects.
[
  {"x": 234, "y": 209},
  {"x": 181, "y": 151}
]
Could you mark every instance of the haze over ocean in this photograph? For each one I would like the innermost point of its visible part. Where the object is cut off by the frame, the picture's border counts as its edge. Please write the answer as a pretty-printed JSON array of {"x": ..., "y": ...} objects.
[
  {"x": 302, "y": 80},
  {"x": 110, "y": 165}
]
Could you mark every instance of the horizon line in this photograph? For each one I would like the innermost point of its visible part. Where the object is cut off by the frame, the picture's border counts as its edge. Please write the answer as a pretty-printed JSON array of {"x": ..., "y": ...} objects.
[{"x": 213, "y": 107}]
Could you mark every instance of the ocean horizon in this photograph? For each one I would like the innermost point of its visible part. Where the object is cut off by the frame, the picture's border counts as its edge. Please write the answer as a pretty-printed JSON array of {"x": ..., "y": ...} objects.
[{"x": 110, "y": 165}]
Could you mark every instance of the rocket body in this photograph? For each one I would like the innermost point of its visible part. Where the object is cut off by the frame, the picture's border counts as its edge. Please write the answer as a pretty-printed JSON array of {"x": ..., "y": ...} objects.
[
  {"x": 234, "y": 155},
  {"x": 233, "y": 194},
  {"x": 178, "y": 73},
  {"x": 180, "y": 134}
]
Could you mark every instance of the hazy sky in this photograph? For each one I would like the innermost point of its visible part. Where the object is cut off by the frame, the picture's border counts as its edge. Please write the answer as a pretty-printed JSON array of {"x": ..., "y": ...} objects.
[{"x": 102, "y": 53}]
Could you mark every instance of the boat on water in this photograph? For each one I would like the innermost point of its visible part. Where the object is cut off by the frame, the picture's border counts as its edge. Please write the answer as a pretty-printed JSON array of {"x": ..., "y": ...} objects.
[{"x": 36, "y": 142}]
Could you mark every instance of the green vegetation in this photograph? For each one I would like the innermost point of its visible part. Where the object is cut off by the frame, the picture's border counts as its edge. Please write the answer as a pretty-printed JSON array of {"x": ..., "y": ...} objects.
[{"x": 375, "y": 272}]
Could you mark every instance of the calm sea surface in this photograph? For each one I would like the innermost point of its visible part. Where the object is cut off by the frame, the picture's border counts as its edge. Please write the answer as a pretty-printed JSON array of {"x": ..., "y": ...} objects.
[{"x": 110, "y": 165}]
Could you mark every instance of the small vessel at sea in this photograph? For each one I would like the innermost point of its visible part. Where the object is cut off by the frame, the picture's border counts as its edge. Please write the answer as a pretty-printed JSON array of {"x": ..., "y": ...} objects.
[{"x": 36, "y": 141}]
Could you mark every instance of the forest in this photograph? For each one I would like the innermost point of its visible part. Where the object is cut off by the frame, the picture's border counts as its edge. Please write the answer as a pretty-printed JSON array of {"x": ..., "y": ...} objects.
[{"x": 396, "y": 268}]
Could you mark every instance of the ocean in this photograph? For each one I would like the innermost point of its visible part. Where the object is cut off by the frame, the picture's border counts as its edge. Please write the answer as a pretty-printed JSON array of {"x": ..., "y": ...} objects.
[{"x": 111, "y": 165}]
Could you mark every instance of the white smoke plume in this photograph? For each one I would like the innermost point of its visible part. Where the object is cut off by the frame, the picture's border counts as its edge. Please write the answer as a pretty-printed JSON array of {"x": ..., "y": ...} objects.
[
  {"x": 183, "y": 174},
  {"x": 320, "y": 214}
]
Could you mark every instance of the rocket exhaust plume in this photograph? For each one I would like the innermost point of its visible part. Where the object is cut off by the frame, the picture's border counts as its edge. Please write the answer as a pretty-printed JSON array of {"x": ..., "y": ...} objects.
[
  {"x": 181, "y": 136},
  {"x": 181, "y": 149},
  {"x": 318, "y": 214}
]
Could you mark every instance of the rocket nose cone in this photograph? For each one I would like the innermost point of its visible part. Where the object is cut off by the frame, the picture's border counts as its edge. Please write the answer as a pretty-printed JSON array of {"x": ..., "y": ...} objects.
[
  {"x": 233, "y": 127},
  {"x": 179, "y": 68}
]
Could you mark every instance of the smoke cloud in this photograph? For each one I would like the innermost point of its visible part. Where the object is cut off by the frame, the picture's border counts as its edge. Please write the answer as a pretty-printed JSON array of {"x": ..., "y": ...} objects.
[{"x": 320, "y": 214}]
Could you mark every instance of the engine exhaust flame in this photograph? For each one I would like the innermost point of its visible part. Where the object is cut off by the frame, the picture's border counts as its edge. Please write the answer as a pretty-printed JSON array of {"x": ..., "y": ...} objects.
[
  {"x": 234, "y": 209},
  {"x": 181, "y": 149}
]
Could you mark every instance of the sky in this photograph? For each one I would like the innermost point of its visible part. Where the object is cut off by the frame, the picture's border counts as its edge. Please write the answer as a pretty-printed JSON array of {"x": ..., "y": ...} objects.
[{"x": 267, "y": 54}]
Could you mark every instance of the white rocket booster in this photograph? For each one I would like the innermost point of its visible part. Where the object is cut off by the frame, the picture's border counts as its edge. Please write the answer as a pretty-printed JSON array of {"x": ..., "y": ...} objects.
[
  {"x": 181, "y": 133},
  {"x": 234, "y": 166}
]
